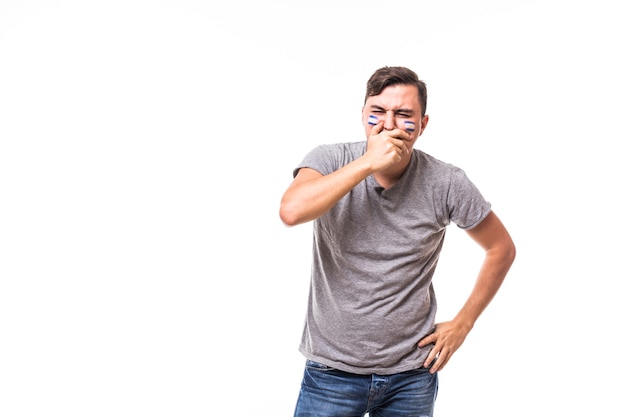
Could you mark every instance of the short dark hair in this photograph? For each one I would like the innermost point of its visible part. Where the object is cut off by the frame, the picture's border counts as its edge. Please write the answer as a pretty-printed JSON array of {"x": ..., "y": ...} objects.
[{"x": 387, "y": 76}]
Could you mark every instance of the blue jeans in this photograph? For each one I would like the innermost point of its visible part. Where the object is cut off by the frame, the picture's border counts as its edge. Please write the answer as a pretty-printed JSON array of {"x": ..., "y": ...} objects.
[{"x": 328, "y": 392}]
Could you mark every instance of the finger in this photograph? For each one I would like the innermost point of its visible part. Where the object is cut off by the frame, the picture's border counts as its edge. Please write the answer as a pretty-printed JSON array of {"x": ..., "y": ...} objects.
[
  {"x": 377, "y": 128},
  {"x": 427, "y": 340},
  {"x": 431, "y": 359},
  {"x": 403, "y": 135},
  {"x": 439, "y": 363},
  {"x": 435, "y": 361},
  {"x": 400, "y": 135}
]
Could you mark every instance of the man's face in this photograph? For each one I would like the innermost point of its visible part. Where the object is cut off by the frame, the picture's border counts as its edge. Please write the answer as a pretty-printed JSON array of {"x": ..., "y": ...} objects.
[{"x": 397, "y": 107}]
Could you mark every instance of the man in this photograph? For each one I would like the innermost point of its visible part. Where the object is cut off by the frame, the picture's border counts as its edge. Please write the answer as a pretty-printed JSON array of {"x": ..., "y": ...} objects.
[{"x": 380, "y": 210}]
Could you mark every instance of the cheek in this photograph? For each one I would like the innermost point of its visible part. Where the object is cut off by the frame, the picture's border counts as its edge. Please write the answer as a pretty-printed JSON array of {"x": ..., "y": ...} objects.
[{"x": 410, "y": 127}]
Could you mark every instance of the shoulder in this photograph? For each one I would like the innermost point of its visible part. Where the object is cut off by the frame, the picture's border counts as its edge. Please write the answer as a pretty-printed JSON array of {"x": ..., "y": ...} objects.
[
  {"x": 340, "y": 152},
  {"x": 327, "y": 158},
  {"x": 440, "y": 174},
  {"x": 427, "y": 162},
  {"x": 340, "y": 148}
]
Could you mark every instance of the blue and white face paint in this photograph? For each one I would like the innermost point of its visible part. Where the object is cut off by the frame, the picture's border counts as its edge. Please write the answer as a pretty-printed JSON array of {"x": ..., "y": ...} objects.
[{"x": 409, "y": 127}]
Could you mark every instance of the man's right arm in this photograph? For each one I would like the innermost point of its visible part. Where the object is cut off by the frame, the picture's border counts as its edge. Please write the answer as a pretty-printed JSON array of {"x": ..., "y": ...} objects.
[{"x": 312, "y": 194}]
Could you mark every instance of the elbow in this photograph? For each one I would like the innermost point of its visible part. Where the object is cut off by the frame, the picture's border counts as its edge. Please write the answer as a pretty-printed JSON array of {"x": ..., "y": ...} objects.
[
  {"x": 288, "y": 215},
  {"x": 510, "y": 253}
]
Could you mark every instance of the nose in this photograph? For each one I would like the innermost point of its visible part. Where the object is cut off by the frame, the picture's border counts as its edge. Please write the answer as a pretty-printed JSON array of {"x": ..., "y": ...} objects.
[{"x": 390, "y": 120}]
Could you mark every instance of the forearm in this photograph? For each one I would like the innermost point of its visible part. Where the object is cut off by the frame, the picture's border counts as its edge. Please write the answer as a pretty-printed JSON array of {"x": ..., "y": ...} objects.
[
  {"x": 490, "y": 277},
  {"x": 308, "y": 199}
]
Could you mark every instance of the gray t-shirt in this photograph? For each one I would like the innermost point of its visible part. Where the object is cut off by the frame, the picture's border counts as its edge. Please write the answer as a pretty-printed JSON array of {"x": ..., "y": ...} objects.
[{"x": 371, "y": 297}]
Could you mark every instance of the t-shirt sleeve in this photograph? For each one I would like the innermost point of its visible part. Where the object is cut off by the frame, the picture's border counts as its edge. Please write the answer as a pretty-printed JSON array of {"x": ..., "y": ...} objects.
[
  {"x": 467, "y": 206},
  {"x": 323, "y": 158}
]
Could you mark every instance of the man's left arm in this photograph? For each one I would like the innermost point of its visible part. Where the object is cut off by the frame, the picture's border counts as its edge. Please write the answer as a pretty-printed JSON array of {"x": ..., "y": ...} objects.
[{"x": 499, "y": 248}]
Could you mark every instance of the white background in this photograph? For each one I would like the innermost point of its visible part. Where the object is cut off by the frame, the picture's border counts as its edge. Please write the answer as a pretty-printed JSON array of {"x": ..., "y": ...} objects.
[{"x": 145, "y": 145}]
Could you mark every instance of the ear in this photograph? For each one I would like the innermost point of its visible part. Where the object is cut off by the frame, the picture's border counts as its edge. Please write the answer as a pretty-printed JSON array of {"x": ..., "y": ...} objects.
[{"x": 424, "y": 122}]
